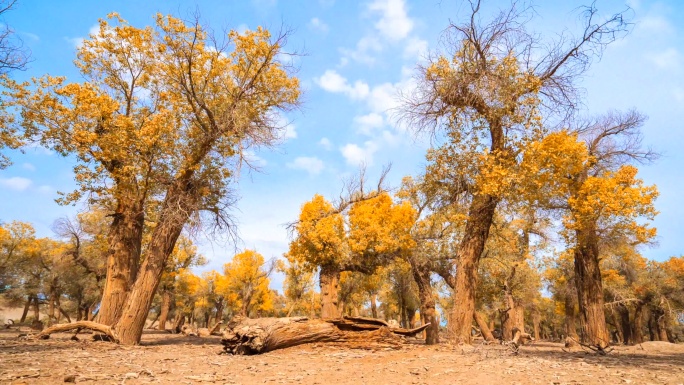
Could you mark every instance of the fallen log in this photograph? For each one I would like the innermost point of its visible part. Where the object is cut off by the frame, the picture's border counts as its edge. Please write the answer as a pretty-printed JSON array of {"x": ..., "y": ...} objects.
[
  {"x": 104, "y": 329},
  {"x": 244, "y": 336}
]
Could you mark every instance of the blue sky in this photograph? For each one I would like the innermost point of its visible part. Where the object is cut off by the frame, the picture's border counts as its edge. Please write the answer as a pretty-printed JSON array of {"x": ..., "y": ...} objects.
[{"x": 357, "y": 56}]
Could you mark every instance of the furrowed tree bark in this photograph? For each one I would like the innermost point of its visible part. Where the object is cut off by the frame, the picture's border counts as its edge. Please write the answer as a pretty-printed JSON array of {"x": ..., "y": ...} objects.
[
  {"x": 625, "y": 325},
  {"x": 374, "y": 306},
  {"x": 176, "y": 208},
  {"x": 590, "y": 288},
  {"x": 482, "y": 324},
  {"x": 246, "y": 336},
  {"x": 125, "y": 243},
  {"x": 536, "y": 320},
  {"x": 428, "y": 311},
  {"x": 164, "y": 311},
  {"x": 638, "y": 325},
  {"x": 329, "y": 284},
  {"x": 481, "y": 214},
  {"x": 660, "y": 325},
  {"x": 570, "y": 318}
]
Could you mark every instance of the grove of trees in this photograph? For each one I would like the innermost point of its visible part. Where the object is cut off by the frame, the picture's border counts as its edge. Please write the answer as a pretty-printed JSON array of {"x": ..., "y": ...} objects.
[{"x": 527, "y": 215}]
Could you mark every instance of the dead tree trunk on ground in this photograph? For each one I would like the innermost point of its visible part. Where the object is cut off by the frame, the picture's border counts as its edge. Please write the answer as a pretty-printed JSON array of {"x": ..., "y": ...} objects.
[{"x": 246, "y": 336}]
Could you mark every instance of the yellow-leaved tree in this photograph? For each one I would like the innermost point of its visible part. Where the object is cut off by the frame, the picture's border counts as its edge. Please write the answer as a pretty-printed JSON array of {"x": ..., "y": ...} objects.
[
  {"x": 488, "y": 96},
  {"x": 245, "y": 284},
  {"x": 586, "y": 173},
  {"x": 157, "y": 126},
  {"x": 368, "y": 233}
]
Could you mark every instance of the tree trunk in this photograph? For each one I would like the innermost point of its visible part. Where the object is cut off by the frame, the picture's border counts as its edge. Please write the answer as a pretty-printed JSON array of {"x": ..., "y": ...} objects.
[
  {"x": 254, "y": 336},
  {"x": 480, "y": 216},
  {"x": 329, "y": 283},
  {"x": 179, "y": 203},
  {"x": 536, "y": 320},
  {"x": 482, "y": 324},
  {"x": 27, "y": 306},
  {"x": 570, "y": 318},
  {"x": 125, "y": 245},
  {"x": 661, "y": 325},
  {"x": 164, "y": 311},
  {"x": 428, "y": 312},
  {"x": 590, "y": 288},
  {"x": 51, "y": 308},
  {"x": 374, "y": 305},
  {"x": 652, "y": 325},
  {"x": 638, "y": 325},
  {"x": 36, "y": 309},
  {"x": 625, "y": 325},
  {"x": 219, "y": 311}
]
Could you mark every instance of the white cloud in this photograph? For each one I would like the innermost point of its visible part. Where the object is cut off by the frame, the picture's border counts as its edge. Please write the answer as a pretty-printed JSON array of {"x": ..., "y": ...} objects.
[
  {"x": 669, "y": 58},
  {"x": 16, "y": 183},
  {"x": 368, "y": 123},
  {"x": 356, "y": 155},
  {"x": 655, "y": 24},
  {"x": 253, "y": 160},
  {"x": 29, "y": 166},
  {"x": 415, "y": 48},
  {"x": 46, "y": 189},
  {"x": 318, "y": 25},
  {"x": 331, "y": 81},
  {"x": 290, "y": 132},
  {"x": 325, "y": 143},
  {"x": 312, "y": 165},
  {"x": 364, "y": 52},
  {"x": 394, "y": 24},
  {"x": 78, "y": 41}
]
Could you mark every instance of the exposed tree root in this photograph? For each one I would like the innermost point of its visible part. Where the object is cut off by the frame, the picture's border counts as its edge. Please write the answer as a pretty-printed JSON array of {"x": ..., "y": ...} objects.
[{"x": 104, "y": 329}]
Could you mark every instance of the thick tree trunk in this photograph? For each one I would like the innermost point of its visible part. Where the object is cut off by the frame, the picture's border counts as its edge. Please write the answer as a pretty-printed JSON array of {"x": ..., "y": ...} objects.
[
  {"x": 36, "y": 309},
  {"x": 428, "y": 311},
  {"x": 261, "y": 335},
  {"x": 536, "y": 321},
  {"x": 480, "y": 216},
  {"x": 374, "y": 305},
  {"x": 179, "y": 203},
  {"x": 482, "y": 324},
  {"x": 661, "y": 325},
  {"x": 329, "y": 283},
  {"x": 27, "y": 306},
  {"x": 164, "y": 310},
  {"x": 219, "y": 311},
  {"x": 125, "y": 245},
  {"x": 638, "y": 325},
  {"x": 570, "y": 318},
  {"x": 590, "y": 288},
  {"x": 625, "y": 325}
]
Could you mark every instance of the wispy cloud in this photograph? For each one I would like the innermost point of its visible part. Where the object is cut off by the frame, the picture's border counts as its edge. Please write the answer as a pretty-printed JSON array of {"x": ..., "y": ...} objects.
[
  {"x": 318, "y": 25},
  {"x": 312, "y": 165},
  {"x": 356, "y": 155},
  {"x": 16, "y": 183}
]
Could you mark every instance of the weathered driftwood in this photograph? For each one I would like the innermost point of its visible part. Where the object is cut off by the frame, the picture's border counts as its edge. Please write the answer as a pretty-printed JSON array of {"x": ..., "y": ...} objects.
[
  {"x": 104, "y": 329},
  {"x": 261, "y": 335}
]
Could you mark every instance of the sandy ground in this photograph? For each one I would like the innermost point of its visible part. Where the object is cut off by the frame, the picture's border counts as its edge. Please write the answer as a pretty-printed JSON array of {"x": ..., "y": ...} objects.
[{"x": 171, "y": 359}]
